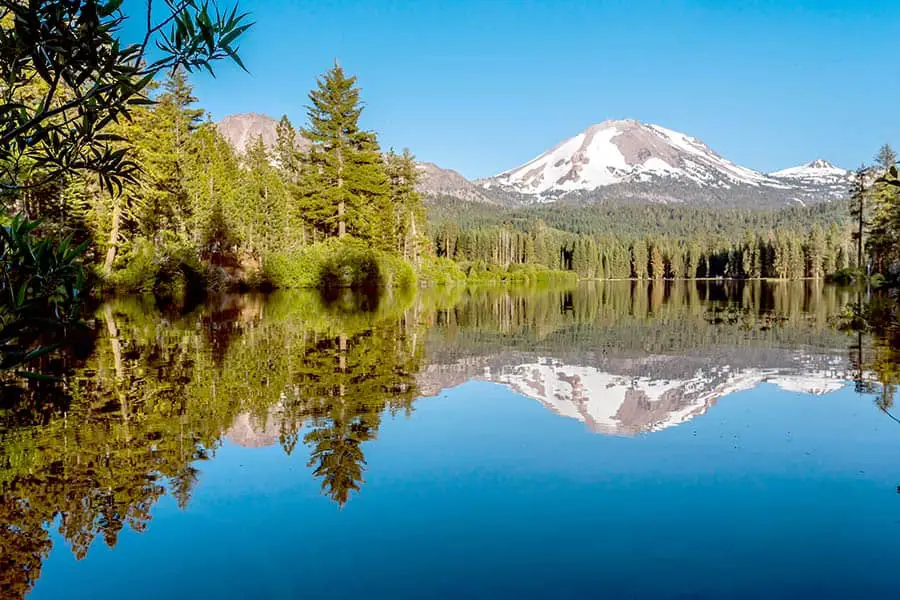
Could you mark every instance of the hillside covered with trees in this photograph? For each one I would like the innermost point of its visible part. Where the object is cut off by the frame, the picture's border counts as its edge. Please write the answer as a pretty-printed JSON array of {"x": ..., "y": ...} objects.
[
  {"x": 616, "y": 241},
  {"x": 198, "y": 214}
]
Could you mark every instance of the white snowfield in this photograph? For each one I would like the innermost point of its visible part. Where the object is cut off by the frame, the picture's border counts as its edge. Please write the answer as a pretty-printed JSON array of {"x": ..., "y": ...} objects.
[
  {"x": 628, "y": 151},
  {"x": 819, "y": 171}
]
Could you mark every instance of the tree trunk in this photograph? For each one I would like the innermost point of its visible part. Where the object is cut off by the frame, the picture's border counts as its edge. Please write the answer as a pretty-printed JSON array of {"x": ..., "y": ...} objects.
[
  {"x": 113, "y": 240},
  {"x": 342, "y": 207}
]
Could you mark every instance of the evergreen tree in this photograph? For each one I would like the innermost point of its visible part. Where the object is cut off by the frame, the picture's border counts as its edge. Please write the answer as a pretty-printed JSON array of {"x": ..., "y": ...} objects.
[
  {"x": 347, "y": 188},
  {"x": 858, "y": 194},
  {"x": 639, "y": 259},
  {"x": 268, "y": 228},
  {"x": 408, "y": 212},
  {"x": 816, "y": 251},
  {"x": 886, "y": 158},
  {"x": 657, "y": 265},
  {"x": 287, "y": 154},
  {"x": 213, "y": 180}
]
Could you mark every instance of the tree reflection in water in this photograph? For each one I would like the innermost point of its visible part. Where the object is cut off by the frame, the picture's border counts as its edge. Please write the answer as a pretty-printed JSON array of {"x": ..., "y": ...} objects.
[{"x": 147, "y": 395}]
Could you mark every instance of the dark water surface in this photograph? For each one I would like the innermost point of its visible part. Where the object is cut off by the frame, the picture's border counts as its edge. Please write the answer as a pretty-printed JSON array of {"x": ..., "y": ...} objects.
[{"x": 614, "y": 440}]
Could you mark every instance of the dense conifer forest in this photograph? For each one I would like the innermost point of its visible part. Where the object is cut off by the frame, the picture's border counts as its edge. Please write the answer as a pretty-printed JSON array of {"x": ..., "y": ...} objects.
[{"x": 649, "y": 242}]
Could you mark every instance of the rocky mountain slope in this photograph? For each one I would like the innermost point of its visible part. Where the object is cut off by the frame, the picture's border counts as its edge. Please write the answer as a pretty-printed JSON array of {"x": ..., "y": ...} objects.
[
  {"x": 615, "y": 161},
  {"x": 818, "y": 177},
  {"x": 241, "y": 130},
  {"x": 627, "y": 160},
  {"x": 436, "y": 182}
]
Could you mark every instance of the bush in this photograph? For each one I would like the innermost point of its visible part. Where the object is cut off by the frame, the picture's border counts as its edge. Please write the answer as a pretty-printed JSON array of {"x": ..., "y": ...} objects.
[
  {"x": 479, "y": 272},
  {"x": 336, "y": 264},
  {"x": 169, "y": 269},
  {"x": 844, "y": 276},
  {"x": 41, "y": 286},
  {"x": 440, "y": 271}
]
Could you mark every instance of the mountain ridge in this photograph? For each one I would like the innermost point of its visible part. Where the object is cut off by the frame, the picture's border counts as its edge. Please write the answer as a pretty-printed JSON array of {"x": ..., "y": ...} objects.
[
  {"x": 617, "y": 160},
  {"x": 628, "y": 160}
]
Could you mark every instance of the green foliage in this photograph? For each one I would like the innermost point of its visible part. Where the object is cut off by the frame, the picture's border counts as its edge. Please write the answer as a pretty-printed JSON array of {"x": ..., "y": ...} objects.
[
  {"x": 198, "y": 212},
  {"x": 597, "y": 242},
  {"x": 338, "y": 263},
  {"x": 67, "y": 77},
  {"x": 440, "y": 271},
  {"x": 168, "y": 270},
  {"x": 345, "y": 186},
  {"x": 481, "y": 272},
  {"x": 41, "y": 282},
  {"x": 845, "y": 276}
]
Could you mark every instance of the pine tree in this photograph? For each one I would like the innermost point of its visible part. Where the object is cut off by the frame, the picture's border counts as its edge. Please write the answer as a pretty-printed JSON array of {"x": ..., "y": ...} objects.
[
  {"x": 816, "y": 252},
  {"x": 639, "y": 259},
  {"x": 657, "y": 265},
  {"x": 266, "y": 227},
  {"x": 287, "y": 154},
  {"x": 408, "y": 212},
  {"x": 347, "y": 188},
  {"x": 213, "y": 181},
  {"x": 858, "y": 194},
  {"x": 886, "y": 158}
]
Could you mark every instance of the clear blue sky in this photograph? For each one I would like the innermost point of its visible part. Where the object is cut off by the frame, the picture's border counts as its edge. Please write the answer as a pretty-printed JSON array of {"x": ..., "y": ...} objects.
[{"x": 482, "y": 86}]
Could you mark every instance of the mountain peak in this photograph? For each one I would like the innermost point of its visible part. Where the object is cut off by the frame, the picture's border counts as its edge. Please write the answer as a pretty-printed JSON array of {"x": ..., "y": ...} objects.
[
  {"x": 818, "y": 169},
  {"x": 626, "y": 151},
  {"x": 820, "y": 163},
  {"x": 243, "y": 129}
]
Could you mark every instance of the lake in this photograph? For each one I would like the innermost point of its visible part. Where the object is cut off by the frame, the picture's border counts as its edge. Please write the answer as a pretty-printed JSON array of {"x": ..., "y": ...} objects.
[{"x": 616, "y": 440}]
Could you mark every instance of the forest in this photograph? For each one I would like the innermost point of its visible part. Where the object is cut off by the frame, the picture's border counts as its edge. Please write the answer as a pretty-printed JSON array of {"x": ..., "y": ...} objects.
[
  {"x": 115, "y": 180},
  {"x": 199, "y": 215}
]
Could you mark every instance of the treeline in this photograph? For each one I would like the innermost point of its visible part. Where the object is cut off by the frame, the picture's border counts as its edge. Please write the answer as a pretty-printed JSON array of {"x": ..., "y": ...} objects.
[
  {"x": 633, "y": 221},
  {"x": 197, "y": 213},
  {"x": 875, "y": 209},
  {"x": 782, "y": 253}
]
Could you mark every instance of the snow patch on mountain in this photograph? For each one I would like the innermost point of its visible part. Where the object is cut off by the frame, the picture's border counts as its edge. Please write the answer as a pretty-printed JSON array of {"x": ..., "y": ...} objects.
[
  {"x": 624, "y": 152},
  {"x": 622, "y": 405},
  {"x": 819, "y": 170}
]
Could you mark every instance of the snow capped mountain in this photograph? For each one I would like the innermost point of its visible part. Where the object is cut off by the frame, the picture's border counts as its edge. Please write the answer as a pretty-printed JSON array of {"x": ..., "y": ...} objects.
[
  {"x": 818, "y": 177},
  {"x": 629, "y": 161},
  {"x": 622, "y": 161},
  {"x": 628, "y": 152},
  {"x": 618, "y": 404},
  {"x": 819, "y": 170}
]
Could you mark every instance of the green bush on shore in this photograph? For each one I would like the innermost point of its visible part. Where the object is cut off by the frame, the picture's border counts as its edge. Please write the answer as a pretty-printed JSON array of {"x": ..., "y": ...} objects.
[
  {"x": 337, "y": 263},
  {"x": 440, "y": 271},
  {"x": 168, "y": 269},
  {"x": 172, "y": 270},
  {"x": 479, "y": 272}
]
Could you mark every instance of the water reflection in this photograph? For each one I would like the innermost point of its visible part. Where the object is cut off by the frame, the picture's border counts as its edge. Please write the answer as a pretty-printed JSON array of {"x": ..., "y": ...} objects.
[{"x": 151, "y": 394}]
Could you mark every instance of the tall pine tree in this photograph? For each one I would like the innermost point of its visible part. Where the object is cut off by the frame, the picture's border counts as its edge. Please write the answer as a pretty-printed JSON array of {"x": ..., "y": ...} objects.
[{"x": 345, "y": 190}]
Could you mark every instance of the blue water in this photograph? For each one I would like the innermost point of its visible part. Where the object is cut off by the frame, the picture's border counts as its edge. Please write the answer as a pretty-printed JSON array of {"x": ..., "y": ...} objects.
[{"x": 483, "y": 493}]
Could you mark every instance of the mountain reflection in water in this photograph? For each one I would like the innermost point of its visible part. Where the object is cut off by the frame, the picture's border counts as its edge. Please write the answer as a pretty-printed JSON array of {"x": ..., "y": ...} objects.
[{"x": 151, "y": 394}]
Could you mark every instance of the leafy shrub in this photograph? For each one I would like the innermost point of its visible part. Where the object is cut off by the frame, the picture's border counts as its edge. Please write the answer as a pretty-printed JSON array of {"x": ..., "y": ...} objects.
[
  {"x": 41, "y": 286},
  {"x": 338, "y": 263},
  {"x": 169, "y": 269},
  {"x": 479, "y": 272},
  {"x": 440, "y": 271},
  {"x": 843, "y": 276}
]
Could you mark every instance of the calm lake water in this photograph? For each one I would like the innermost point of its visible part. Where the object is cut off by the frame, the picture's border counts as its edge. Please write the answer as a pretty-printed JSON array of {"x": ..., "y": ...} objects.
[{"x": 613, "y": 440}]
